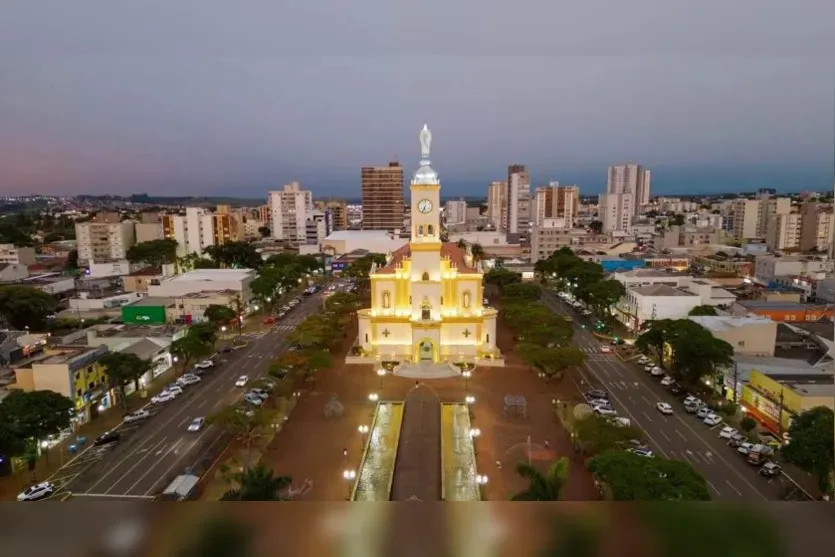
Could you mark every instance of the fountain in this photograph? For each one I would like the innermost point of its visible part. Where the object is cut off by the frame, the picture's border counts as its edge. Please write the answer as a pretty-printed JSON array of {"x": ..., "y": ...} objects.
[
  {"x": 377, "y": 466},
  {"x": 459, "y": 474}
]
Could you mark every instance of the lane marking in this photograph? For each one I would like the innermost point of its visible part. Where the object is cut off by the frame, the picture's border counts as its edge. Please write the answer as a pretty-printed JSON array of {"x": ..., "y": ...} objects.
[
  {"x": 113, "y": 468},
  {"x": 202, "y": 403},
  {"x": 646, "y": 400},
  {"x": 151, "y": 468},
  {"x": 713, "y": 487},
  {"x": 648, "y": 418},
  {"x": 734, "y": 488},
  {"x": 661, "y": 431},
  {"x": 184, "y": 422},
  {"x": 176, "y": 463},
  {"x": 680, "y": 434}
]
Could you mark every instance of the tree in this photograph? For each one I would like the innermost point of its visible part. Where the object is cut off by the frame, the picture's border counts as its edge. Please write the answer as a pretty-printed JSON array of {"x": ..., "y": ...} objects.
[
  {"x": 596, "y": 434},
  {"x": 747, "y": 424},
  {"x": 189, "y": 348},
  {"x": 810, "y": 446},
  {"x": 154, "y": 253},
  {"x": 26, "y": 306},
  {"x": 596, "y": 226},
  {"x": 630, "y": 477},
  {"x": 552, "y": 362},
  {"x": 35, "y": 415},
  {"x": 678, "y": 220},
  {"x": 258, "y": 484},
  {"x": 246, "y": 428},
  {"x": 542, "y": 486},
  {"x": 123, "y": 369},
  {"x": 12, "y": 441},
  {"x": 602, "y": 295},
  {"x": 502, "y": 278},
  {"x": 478, "y": 252},
  {"x": 703, "y": 310},
  {"x": 264, "y": 231},
  {"x": 234, "y": 255},
  {"x": 360, "y": 269},
  {"x": 521, "y": 291},
  {"x": 694, "y": 351},
  {"x": 219, "y": 315}
]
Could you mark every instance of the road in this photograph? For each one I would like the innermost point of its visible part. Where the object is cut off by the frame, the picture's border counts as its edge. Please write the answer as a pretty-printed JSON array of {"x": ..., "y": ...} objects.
[
  {"x": 152, "y": 452},
  {"x": 681, "y": 436}
]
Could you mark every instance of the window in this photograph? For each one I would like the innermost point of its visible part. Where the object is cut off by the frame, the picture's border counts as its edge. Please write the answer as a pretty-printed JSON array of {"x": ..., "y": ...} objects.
[
  {"x": 366, "y": 337},
  {"x": 425, "y": 276},
  {"x": 425, "y": 313},
  {"x": 466, "y": 299},
  {"x": 488, "y": 338},
  {"x": 420, "y": 230},
  {"x": 386, "y": 300},
  {"x": 430, "y": 230},
  {"x": 78, "y": 392}
]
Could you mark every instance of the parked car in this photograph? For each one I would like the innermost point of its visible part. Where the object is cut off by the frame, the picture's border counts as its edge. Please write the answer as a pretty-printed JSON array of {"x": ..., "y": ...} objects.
[
  {"x": 712, "y": 420},
  {"x": 188, "y": 379},
  {"x": 36, "y": 492},
  {"x": 261, "y": 393},
  {"x": 667, "y": 381},
  {"x": 744, "y": 448},
  {"x": 253, "y": 399},
  {"x": 641, "y": 451},
  {"x": 242, "y": 381},
  {"x": 664, "y": 408},
  {"x": 703, "y": 412},
  {"x": 643, "y": 360},
  {"x": 196, "y": 424},
  {"x": 598, "y": 393},
  {"x": 770, "y": 470},
  {"x": 205, "y": 364},
  {"x": 656, "y": 372},
  {"x": 605, "y": 411},
  {"x": 727, "y": 432},
  {"x": 137, "y": 416},
  {"x": 174, "y": 389},
  {"x": 605, "y": 349},
  {"x": 676, "y": 389},
  {"x": 164, "y": 396},
  {"x": 107, "y": 438}
]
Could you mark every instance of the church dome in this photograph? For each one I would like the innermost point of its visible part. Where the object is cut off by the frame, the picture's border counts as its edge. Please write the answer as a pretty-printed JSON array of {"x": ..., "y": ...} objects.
[{"x": 426, "y": 175}]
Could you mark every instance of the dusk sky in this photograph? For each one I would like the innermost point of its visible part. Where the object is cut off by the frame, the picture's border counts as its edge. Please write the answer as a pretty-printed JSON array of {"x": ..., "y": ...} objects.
[{"x": 211, "y": 97}]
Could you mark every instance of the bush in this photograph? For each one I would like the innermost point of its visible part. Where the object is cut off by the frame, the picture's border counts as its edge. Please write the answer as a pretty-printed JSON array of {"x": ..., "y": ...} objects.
[{"x": 747, "y": 424}]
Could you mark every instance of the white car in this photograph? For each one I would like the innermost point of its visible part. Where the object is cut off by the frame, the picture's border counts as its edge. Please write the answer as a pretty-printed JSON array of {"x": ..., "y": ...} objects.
[
  {"x": 242, "y": 381},
  {"x": 666, "y": 381},
  {"x": 137, "y": 416},
  {"x": 727, "y": 432},
  {"x": 605, "y": 348},
  {"x": 712, "y": 420},
  {"x": 188, "y": 379},
  {"x": 649, "y": 367},
  {"x": 163, "y": 397},
  {"x": 605, "y": 411},
  {"x": 664, "y": 408},
  {"x": 656, "y": 372},
  {"x": 621, "y": 422},
  {"x": 641, "y": 451},
  {"x": 36, "y": 492},
  {"x": 703, "y": 412},
  {"x": 196, "y": 424},
  {"x": 745, "y": 448},
  {"x": 643, "y": 360},
  {"x": 205, "y": 364},
  {"x": 174, "y": 389}
]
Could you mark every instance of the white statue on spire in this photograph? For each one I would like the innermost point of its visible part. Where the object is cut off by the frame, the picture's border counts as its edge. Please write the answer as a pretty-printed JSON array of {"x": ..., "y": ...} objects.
[{"x": 425, "y": 141}]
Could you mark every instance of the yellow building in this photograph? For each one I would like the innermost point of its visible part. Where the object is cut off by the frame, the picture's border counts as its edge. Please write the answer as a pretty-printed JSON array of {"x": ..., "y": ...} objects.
[
  {"x": 426, "y": 301},
  {"x": 771, "y": 401},
  {"x": 73, "y": 372}
]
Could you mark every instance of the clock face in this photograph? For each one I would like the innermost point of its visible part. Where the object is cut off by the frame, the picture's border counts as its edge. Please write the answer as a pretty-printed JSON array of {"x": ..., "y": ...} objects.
[{"x": 424, "y": 205}]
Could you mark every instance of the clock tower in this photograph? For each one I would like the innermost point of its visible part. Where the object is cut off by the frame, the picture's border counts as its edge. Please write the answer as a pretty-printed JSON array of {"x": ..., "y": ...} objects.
[{"x": 426, "y": 198}]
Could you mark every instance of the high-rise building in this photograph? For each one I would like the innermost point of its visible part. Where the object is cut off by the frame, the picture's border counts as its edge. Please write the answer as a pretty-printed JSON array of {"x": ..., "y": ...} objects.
[
  {"x": 318, "y": 227},
  {"x": 289, "y": 209},
  {"x": 745, "y": 223},
  {"x": 382, "y": 197},
  {"x": 630, "y": 178},
  {"x": 817, "y": 228},
  {"x": 556, "y": 202},
  {"x": 193, "y": 231},
  {"x": 615, "y": 211},
  {"x": 104, "y": 242},
  {"x": 455, "y": 212},
  {"x": 519, "y": 199},
  {"x": 226, "y": 226},
  {"x": 497, "y": 204},
  {"x": 338, "y": 209},
  {"x": 784, "y": 231}
]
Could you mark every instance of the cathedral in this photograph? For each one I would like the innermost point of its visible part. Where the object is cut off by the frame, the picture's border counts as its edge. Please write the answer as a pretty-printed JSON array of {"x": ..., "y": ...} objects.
[{"x": 427, "y": 300}]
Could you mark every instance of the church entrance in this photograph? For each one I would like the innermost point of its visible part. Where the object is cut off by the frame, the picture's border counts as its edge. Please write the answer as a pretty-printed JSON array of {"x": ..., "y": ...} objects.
[{"x": 425, "y": 351}]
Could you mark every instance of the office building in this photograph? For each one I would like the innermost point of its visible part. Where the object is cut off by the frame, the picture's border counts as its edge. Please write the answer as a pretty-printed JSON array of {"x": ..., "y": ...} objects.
[
  {"x": 556, "y": 202},
  {"x": 382, "y": 197},
  {"x": 518, "y": 199},
  {"x": 289, "y": 209}
]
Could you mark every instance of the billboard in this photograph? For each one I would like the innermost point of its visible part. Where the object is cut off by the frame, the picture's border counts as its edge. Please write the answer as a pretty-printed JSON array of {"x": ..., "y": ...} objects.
[{"x": 143, "y": 315}]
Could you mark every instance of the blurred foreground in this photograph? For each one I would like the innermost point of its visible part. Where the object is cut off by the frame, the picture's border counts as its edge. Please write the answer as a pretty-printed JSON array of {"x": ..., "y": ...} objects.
[{"x": 419, "y": 529}]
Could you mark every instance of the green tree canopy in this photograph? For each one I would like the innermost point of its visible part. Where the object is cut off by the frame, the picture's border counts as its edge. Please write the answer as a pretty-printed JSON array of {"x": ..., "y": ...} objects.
[
  {"x": 630, "y": 477},
  {"x": 26, "y": 306},
  {"x": 696, "y": 353},
  {"x": 190, "y": 348},
  {"x": 219, "y": 315},
  {"x": 501, "y": 277},
  {"x": 703, "y": 310},
  {"x": 36, "y": 415},
  {"x": 521, "y": 291},
  {"x": 231, "y": 255},
  {"x": 122, "y": 369},
  {"x": 596, "y": 434},
  {"x": 542, "y": 486},
  {"x": 596, "y": 226},
  {"x": 602, "y": 295},
  {"x": 550, "y": 361},
  {"x": 246, "y": 428},
  {"x": 360, "y": 269},
  {"x": 154, "y": 253},
  {"x": 811, "y": 445},
  {"x": 258, "y": 483}
]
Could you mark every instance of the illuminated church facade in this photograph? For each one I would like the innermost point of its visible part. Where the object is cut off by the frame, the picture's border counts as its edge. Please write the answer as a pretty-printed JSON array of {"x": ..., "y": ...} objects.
[{"x": 426, "y": 301}]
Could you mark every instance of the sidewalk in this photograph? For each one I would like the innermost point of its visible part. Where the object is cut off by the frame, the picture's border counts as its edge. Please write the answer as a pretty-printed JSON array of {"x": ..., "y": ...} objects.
[{"x": 59, "y": 455}]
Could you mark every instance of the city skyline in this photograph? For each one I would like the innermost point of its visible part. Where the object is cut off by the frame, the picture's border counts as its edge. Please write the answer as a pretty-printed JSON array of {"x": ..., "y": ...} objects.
[{"x": 87, "y": 113}]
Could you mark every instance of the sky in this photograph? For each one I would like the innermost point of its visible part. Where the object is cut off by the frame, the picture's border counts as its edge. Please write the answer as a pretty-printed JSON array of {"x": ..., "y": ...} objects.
[{"x": 213, "y": 97}]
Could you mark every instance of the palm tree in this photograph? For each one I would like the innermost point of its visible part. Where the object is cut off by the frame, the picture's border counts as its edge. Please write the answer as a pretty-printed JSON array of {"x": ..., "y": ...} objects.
[
  {"x": 258, "y": 483},
  {"x": 462, "y": 243},
  {"x": 543, "y": 487},
  {"x": 477, "y": 251},
  {"x": 246, "y": 429}
]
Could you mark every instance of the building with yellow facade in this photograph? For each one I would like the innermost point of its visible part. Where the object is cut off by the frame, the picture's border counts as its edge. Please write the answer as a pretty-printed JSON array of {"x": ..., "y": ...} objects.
[{"x": 426, "y": 301}]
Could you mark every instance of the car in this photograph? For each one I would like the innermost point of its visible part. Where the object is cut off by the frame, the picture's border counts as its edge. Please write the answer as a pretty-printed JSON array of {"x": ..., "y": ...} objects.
[
  {"x": 656, "y": 372},
  {"x": 485, "y": 301},
  {"x": 712, "y": 420},
  {"x": 605, "y": 349},
  {"x": 174, "y": 389},
  {"x": 594, "y": 402},
  {"x": 205, "y": 364},
  {"x": 188, "y": 379},
  {"x": 163, "y": 397},
  {"x": 605, "y": 411},
  {"x": 641, "y": 451},
  {"x": 261, "y": 393},
  {"x": 253, "y": 399},
  {"x": 643, "y": 360},
  {"x": 294, "y": 347},
  {"x": 649, "y": 367},
  {"x": 676, "y": 389},
  {"x": 664, "y": 408},
  {"x": 268, "y": 320},
  {"x": 242, "y": 381},
  {"x": 744, "y": 448},
  {"x": 598, "y": 393},
  {"x": 770, "y": 470},
  {"x": 703, "y": 412},
  {"x": 225, "y": 349},
  {"x": 667, "y": 381},
  {"x": 137, "y": 416},
  {"x": 620, "y": 422},
  {"x": 107, "y": 438},
  {"x": 196, "y": 424},
  {"x": 727, "y": 432},
  {"x": 36, "y": 492}
]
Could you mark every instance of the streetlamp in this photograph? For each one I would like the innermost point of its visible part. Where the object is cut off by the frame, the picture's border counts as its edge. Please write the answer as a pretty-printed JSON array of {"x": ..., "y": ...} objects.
[
  {"x": 467, "y": 374},
  {"x": 381, "y": 373},
  {"x": 373, "y": 397},
  {"x": 349, "y": 476},
  {"x": 481, "y": 479},
  {"x": 223, "y": 329},
  {"x": 363, "y": 429},
  {"x": 469, "y": 399}
]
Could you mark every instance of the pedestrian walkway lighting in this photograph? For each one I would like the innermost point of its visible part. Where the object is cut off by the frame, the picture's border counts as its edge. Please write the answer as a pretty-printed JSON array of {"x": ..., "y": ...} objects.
[
  {"x": 363, "y": 429},
  {"x": 373, "y": 397},
  {"x": 475, "y": 432},
  {"x": 481, "y": 479},
  {"x": 469, "y": 399}
]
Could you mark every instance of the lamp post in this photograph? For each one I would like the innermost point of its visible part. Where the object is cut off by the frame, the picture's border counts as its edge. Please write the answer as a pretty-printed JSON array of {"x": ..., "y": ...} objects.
[
  {"x": 474, "y": 432},
  {"x": 373, "y": 397},
  {"x": 467, "y": 374},
  {"x": 363, "y": 429},
  {"x": 469, "y": 399},
  {"x": 481, "y": 481},
  {"x": 381, "y": 373},
  {"x": 349, "y": 476}
]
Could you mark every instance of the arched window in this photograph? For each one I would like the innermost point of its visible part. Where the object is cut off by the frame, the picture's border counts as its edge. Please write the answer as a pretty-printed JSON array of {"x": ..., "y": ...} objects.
[
  {"x": 366, "y": 337},
  {"x": 488, "y": 338},
  {"x": 466, "y": 299},
  {"x": 430, "y": 230},
  {"x": 386, "y": 300},
  {"x": 425, "y": 276},
  {"x": 425, "y": 310},
  {"x": 420, "y": 230}
]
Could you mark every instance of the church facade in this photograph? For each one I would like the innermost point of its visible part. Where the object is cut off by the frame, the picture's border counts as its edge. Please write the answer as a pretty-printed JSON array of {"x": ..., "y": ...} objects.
[{"x": 426, "y": 301}]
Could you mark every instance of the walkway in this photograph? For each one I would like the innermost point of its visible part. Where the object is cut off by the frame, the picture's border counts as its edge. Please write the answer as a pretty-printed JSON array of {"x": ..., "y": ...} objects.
[{"x": 417, "y": 471}]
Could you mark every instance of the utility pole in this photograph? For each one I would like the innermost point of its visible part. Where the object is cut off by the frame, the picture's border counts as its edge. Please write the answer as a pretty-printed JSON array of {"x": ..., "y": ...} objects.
[
  {"x": 736, "y": 381},
  {"x": 780, "y": 414}
]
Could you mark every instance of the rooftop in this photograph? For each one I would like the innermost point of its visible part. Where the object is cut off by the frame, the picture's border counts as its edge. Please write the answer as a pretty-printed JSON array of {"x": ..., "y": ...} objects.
[
  {"x": 449, "y": 250},
  {"x": 211, "y": 274},
  {"x": 648, "y": 273},
  {"x": 111, "y": 331},
  {"x": 719, "y": 323},
  {"x": 359, "y": 234},
  {"x": 152, "y": 301},
  {"x": 660, "y": 290},
  {"x": 147, "y": 272},
  {"x": 778, "y": 367},
  {"x": 777, "y": 304}
]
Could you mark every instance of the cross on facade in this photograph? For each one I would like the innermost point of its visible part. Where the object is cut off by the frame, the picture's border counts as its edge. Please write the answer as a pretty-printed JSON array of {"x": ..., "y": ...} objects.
[
  {"x": 467, "y": 333},
  {"x": 386, "y": 333}
]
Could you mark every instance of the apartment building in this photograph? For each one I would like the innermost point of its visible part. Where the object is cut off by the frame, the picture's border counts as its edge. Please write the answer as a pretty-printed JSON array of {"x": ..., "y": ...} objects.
[
  {"x": 455, "y": 212},
  {"x": 497, "y": 204},
  {"x": 193, "y": 231},
  {"x": 382, "y": 197},
  {"x": 556, "y": 202},
  {"x": 768, "y": 267},
  {"x": 784, "y": 231},
  {"x": 318, "y": 227},
  {"x": 14, "y": 255},
  {"x": 518, "y": 198},
  {"x": 655, "y": 302},
  {"x": 101, "y": 242},
  {"x": 338, "y": 210},
  {"x": 631, "y": 179},
  {"x": 615, "y": 211},
  {"x": 745, "y": 223},
  {"x": 817, "y": 228},
  {"x": 289, "y": 210},
  {"x": 685, "y": 236},
  {"x": 768, "y": 209}
]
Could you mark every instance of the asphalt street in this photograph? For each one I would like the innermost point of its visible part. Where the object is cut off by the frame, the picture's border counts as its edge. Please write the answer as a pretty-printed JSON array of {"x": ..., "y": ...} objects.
[
  {"x": 634, "y": 394},
  {"x": 153, "y": 452}
]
